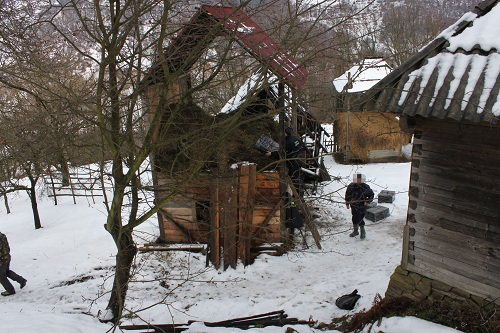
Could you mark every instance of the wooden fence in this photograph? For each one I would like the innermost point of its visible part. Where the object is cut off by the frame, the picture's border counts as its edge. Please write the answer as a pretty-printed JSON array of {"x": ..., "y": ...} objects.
[{"x": 81, "y": 183}]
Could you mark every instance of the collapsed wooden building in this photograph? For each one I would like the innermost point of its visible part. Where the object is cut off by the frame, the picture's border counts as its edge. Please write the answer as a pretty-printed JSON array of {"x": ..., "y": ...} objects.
[
  {"x": 447, "y": 96},
  {"x": 226, "y": 201}
]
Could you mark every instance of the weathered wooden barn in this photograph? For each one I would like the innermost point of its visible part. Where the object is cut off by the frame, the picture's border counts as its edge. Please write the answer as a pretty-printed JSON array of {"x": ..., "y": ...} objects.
[
  {"x": 447, "y": 95},
  {"x": 365, "y": 136},
  {"x": 237, "y": 209}
]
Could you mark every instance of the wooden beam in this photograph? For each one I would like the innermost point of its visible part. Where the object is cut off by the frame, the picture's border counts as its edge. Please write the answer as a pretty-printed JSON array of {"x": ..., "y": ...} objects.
[
  {"x": 305, "y": 211},
  {"x": 247, "y": 180},
  {"x": 183, "y": 230},
  {"x": 243, "y": 180},
  {"x": 406, "y": 244},
  {"x": 214, "y": 243},
  {"x": 232, "y": 222}
]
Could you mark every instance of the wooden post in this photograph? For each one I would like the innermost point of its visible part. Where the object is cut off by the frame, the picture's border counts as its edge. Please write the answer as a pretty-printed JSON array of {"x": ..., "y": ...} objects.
[
  {"x": 243, "y": 179},
  {"x": 233, "y": 222},
  {"x": 72, "y": 189},
  {"x": 53, "y": 187},
  {"x": 282, "y": 165},
  {"x": 229, "y": 221},
  {"x": 215, "y": 234},
  {"x": 225, "y": 241},
  {"x": 406, "y": 243},
  {"x": 246, "y": 193},
  {"x": 295, "y": 124}
]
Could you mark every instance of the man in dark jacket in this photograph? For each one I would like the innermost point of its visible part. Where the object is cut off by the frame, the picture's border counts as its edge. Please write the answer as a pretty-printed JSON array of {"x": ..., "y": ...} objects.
[
  {"x": 357, "y": 197},
  {"x": 5, "y": 272},
  {"x": 293, "y": 156}
]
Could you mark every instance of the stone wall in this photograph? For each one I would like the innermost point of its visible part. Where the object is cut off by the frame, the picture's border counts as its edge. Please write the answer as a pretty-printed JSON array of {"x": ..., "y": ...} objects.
[{"x": 416, "y": 287}]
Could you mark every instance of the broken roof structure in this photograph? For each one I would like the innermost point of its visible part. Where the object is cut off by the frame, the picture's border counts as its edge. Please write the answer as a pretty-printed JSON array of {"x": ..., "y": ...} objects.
[
  {"x": 211, "y": 21},
  {"x": 229, "y": 205}
]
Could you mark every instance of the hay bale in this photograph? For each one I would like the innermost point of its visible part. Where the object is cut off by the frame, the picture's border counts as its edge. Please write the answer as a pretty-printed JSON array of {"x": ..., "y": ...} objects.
[{"x": 369, "y": 131}]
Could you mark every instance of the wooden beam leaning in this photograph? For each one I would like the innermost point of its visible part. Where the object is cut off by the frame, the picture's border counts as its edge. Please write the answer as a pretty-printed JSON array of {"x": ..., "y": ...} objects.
[
  {"x": 268, "y": 218},
  {"x": 172, "y": 220},
  {"x": 311, "y": 225}
]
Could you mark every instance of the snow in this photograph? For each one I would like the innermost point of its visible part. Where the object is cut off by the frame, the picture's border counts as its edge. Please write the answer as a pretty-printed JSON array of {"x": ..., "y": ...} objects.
[
  {"x": 491, "y": 74},
  {"x": 68, "y": 264},
  {"x": 460, "y": 63},
  {"x": 472, "y": 65},
  {"x": 451, "y": 30},
  {"x": 256, "y": 82},
  {"x": 363, "y": 76},
  {"x": 484, "y": 32},
  {"x": 481, "y": 32},
  {"x": 477, "y": 65}
]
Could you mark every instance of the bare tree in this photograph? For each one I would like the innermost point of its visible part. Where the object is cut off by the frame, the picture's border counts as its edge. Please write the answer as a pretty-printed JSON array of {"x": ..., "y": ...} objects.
[
  {"x": 126, "y": 39},
  {"x": 43, "y": 95},
  {"x": 408, "y": 26}
]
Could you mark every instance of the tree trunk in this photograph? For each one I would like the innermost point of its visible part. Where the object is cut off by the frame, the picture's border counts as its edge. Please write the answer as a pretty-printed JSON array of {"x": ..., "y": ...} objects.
[
  {"x": 124, "y": 258},
  {"x": 66, "y": 178},
  {"x": 34, "y": 205},
  {"x": 6, "y": 201}
]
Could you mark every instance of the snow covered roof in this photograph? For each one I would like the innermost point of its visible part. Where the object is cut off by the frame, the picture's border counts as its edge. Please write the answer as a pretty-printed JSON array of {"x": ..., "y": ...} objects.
[
  {"x": 254, "y": 84},
  {"x": 456, "y": 76},
  {"x": 363, "y": 76}
]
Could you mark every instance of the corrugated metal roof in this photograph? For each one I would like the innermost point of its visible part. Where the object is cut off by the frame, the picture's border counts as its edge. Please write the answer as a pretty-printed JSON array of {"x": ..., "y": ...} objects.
[
  {"x": 255, "y": 40},
  {"x": 453, "y": 77},
  {"x": 211, "y": 21}
]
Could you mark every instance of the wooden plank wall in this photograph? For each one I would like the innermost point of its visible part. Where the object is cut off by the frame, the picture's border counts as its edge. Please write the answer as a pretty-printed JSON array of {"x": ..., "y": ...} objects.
[
  {"x": 178, "y": 218},
  {"x": 244, "y": 213},
  {"x": 454, "y": 212}
]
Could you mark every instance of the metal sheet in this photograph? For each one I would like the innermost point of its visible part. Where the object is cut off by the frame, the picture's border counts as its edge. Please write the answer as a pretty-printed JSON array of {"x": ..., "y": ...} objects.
[{"x": 259, "y": 43}]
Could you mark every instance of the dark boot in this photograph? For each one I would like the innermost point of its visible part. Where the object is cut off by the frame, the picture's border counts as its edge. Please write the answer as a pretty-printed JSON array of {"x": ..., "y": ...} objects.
[
  {"x": 363, "y": 233},
  {"x": 355, "y": 232}
]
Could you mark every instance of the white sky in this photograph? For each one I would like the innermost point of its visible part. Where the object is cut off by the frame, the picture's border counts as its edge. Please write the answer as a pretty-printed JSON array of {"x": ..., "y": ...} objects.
[{"x": 73, "y": 246}]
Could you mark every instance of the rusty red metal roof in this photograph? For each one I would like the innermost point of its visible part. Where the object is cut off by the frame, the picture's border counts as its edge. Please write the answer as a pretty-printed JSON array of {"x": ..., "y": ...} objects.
[{"x": 256, "y": 41}]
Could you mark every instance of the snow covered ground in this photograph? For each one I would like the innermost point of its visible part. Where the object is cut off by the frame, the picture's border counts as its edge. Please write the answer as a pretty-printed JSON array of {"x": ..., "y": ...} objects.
[{"x": 69, "y": 267}]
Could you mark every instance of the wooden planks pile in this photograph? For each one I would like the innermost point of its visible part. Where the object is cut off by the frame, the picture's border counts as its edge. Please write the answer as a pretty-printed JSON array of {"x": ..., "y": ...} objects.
[{"x": 275, "y": 318}]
